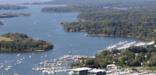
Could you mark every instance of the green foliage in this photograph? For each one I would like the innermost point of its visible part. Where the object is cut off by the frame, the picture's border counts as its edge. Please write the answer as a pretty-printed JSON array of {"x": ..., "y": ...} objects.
[
  {"x": 131, "y": 18},
  {"x": 23, "y": 43},
  {"x": 152, "y": 59},
  {"x": 126, "y": 57},
  {"x": 136, "y": 23}
]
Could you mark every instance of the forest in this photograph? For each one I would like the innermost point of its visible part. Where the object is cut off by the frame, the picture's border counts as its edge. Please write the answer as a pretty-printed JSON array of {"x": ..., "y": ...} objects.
[
  {"x": 131, "y": 57},
  {"x": 136, "y": 23}
]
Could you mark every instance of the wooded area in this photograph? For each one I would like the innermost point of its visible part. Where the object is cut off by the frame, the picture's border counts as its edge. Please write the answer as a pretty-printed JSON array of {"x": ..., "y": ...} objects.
[{"x": 20, "y": 42}]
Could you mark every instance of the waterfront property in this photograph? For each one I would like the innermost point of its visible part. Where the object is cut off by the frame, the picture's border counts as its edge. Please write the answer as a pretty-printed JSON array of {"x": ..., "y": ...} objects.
[
  {"x": 97, "y": 72},
  {"x": 79, "y": 71},
  {"x": 87, "y": 71},
  {"x": 62, "y": 64},
  {"x": 112, "y": 67}
]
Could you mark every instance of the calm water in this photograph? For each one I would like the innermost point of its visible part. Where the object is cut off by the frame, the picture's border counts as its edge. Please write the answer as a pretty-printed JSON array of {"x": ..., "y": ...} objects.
[
  {"x": 47, "y": 27},
  {"x": 21, "y": 1}
]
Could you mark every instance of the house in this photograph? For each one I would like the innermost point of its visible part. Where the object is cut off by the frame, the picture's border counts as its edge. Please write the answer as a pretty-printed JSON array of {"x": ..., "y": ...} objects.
[
  {"x": 87, "y": 71},
  {"x": 112, "y": 67},
  {"x": 97, "y": 72},
  {"x": 79, "y": 71}
]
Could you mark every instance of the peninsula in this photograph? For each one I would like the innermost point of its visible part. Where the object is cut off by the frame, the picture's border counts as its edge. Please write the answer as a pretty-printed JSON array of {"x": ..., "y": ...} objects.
[{"x": 136, "y": 23}]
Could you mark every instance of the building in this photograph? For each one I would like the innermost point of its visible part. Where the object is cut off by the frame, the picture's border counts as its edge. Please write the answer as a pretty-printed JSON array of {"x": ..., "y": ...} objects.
[
  {"x": 97, "y": 72},
  {"x": 112, "y": 67},
  {"x": 87, "y": 71},
  {"x": 79, "y": 71}
]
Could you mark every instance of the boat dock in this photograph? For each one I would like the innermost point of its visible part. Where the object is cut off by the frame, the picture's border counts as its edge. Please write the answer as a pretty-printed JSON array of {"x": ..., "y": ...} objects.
[{"x": 62, "y": 64}]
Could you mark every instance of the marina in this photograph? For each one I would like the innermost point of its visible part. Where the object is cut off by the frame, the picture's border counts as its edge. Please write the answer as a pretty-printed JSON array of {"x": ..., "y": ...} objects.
[
  {"x": 62, "y": 64},
  {"x": 111, "y": 69}
]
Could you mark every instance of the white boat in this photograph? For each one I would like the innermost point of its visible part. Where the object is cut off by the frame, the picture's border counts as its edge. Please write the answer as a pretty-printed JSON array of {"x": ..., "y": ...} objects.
[
  {"x": 151, "y": 43},
  {"x": 18, "y": 55},
  {"x": 19, "y": 61},
  {"x": 16, "y": 74},
  {"x": 71, "y": 73},
  {"x": 7, "y": 68},
  {"x": 30, "y": 56}
]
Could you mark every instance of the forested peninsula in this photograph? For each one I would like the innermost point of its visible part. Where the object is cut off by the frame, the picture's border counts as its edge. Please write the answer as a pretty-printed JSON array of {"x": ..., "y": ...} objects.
[
  {"x": 135, "y": 23},
  {"x": 19, "y": 42}
]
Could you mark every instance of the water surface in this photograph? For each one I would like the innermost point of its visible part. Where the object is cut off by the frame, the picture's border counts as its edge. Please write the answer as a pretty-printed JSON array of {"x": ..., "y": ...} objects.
[{"x": 20, "y": 1}]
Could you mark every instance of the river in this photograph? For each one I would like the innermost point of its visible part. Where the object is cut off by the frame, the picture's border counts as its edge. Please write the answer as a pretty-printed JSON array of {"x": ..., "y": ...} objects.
[{"x": 46, "y": 26}]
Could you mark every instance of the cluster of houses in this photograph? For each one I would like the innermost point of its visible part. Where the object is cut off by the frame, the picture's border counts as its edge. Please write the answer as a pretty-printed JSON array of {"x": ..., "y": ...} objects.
[
  {"x": 111, "y": 69},
  {"x": 93, "y": 71},
  {"x": 87, "y": 71}
]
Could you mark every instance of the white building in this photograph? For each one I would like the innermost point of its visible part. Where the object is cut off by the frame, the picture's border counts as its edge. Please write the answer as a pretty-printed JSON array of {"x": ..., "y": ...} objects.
[
  {"x": 97, "y": 72},
  {"x": 79, "y": 71},
  {"x": 87, "y": 71}
]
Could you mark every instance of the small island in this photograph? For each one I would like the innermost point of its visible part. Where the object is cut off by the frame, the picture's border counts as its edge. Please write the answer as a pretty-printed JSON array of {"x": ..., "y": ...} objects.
[
  {"x": 11, "y": 15},
  {"x": 57, "y": 9},
  {"x": 19, "y": 42},
  {"x": 11, "y": 7}
]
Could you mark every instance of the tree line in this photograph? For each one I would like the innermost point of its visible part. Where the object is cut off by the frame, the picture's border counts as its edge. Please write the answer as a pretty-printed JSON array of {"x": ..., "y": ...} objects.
[
  {"x": 136, "y": 23},
  {"x": 131, "y": 57}
]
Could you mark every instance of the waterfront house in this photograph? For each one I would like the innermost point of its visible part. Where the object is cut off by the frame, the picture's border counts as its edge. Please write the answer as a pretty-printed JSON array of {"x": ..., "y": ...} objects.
[
  {"x": 79, "y": 71},
  {"x": 97, "y": 72},
  {"x": 112, "y": 68}
]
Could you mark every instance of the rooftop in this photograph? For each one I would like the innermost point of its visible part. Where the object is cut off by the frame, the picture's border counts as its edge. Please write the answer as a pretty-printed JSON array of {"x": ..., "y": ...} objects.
[
  {"x": 81, "y": 69},
  {"x": 97, "y": 70}
]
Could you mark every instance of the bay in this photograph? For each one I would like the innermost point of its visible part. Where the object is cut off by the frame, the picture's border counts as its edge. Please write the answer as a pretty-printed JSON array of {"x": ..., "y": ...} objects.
[
  {"x": 46, "y": 26},
  {"x": 20, "y": 1}
]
